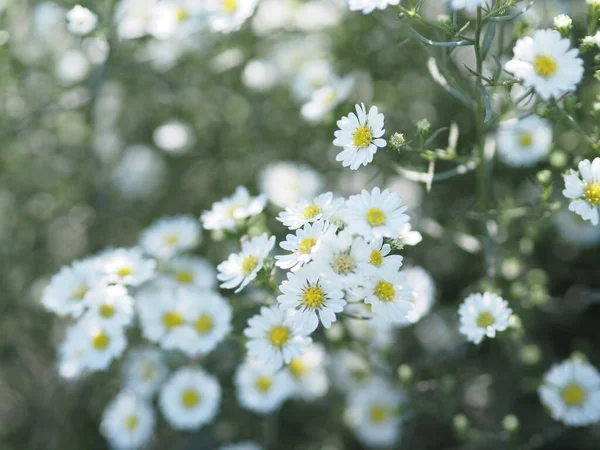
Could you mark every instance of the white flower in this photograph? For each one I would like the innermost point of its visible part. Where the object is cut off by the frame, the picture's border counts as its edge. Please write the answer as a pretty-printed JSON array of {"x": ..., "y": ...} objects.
[
  {"x": 374, "y": 413},
  {"x": 229, "y": 15},
  {"x": 307, "y": 373},
  {"x": 139, "y": 173},
  {"x": 389, "y": 296},
  {"x": 304, "y": 244},
  {"x": 192, "y": 271},
  {"x": 273, "y": 338},
  {"x": 408, "y": 236},
  {"x": 324, "y": 100},
  {"x": 483, "y": 315},
  {"x": 133, "y": 17},
  {"x": 127, "y": 422},
  {"x": 420, "y": 282},
  {"x": 313, "y": 75},
  {"x": 375, "y": 214},
  {"x": 241, "y": 268},
  {"x": 545, "y": 63},
  {"x": 338, "y": 259},
  {"x": 260, "y": 388},
  {"x": 375, "y": 255},
  {"x": 571, "y": 390},
  {"x": 98, "y": 344},
  {"x": 287, "y": 183},
  {"x": 260, "y": 75},
  {"x": 360, "y": 135},
  {"x": 242, "y": 446},
  {"x": 585, "y": 191},
  {"x": 110, "y": 306},
  {"x": 525, "y": 142},
  {"x": 127, "y": 266},
  {"x": 350, "y": 371},
  {"x": 170, "y": 236},
  {"x": 175, "y": 19},
  {"x": 81, "y": 21},
  {"x": 368, "y": 6},
  {"x": 312, "y": 297},
  {"x": 144, "y": 371},
  {"x": 239, "y": 206},
  {"x": 322, "y": 207},
  {"x": 575, "y": 230},
  {"x": 190, "y": 399},
  {"x": 174, "y": 137},
  {"x": 466, "y": 4}
]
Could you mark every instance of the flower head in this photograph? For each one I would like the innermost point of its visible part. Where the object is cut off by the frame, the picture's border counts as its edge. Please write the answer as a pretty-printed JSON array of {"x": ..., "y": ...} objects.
[
  {"x": 128, "y": 421},
  {"x": 81, "y": 21},
  {"x": 585, "y": 191},
  {"x": 170, "y": 236},
  {"x": 483, "y": 315},
  {"x": 525, "y": 142}
]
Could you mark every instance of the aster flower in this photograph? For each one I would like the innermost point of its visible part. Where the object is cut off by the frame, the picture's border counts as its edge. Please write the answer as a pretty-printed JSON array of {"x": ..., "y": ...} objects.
[
  {"x": 127, "y": 266},
  {"x": 338, "y": 259},
  {"x": 375, "y": 255},
  {"x": 260, "y": 388},
  {"x": 483, "y": 315},
  {"x": 585, "y": 191},
  {"x": 81, "y": 21},
  {"x": 224, "y": 214},
  {"x": 525, "y": 142},
  {"x": 307, "y": 373},
  {"x": 98, "y": 344},
  {"x": 170, "y": 236},
  {"x": 323, "y": 207},
  {"x": 191, "y": 271},
  {"x": 110, "y": 305},
  {"x": 128, "y": 421},
  {"x": 388, "y": 295},
  {"x": 144, "y": 371},
  {"x": 287, "y": 183},
  {"x": 304, "y": 244}
]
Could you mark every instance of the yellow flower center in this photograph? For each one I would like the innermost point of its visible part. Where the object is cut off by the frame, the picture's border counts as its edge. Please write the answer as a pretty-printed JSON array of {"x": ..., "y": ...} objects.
[
  {"x": 172, "y": 319},
  {"x": 170, "y": 239},
  {"x": 379, "y": 413},
  {"x": 313, "y": 297},
  {"x": 376, "y": 258},
  {"x": 545, "y": 66},
  {"x": 100, "y": 341},
  {"x": 79, "y": 292},
  {"x": 306, "y": 245},
  {"x": 525, "y": 139},
  {"x": 182, "y": 15},
  {"x": 384, "y": 290},
  {"x": 362, "y": 136},
  {"x": 591, "y": 193},
  {"x": 279, "y": 336},
  {"x": 131, "y": 422},
  {"x": 190, "y": 398},
  {"x": 204, "y": 324},
  {"x": 184, "y": 277},
  {"x": 230, "y": 6},
  {"x": 249, "y": 264},
  {"x": 343, "y": 264},
  {"x": 573, "y": 394},
  {"x": 375, "y": 217},
  {"x": 125, "y": 271},
  {"x": 310, "y": 212},
  {"x": 297, "y": 367},
  {"x": 107, "y": 310},
  {"x": 485, "y": 319},
  {"x": 263, "y": 383}
]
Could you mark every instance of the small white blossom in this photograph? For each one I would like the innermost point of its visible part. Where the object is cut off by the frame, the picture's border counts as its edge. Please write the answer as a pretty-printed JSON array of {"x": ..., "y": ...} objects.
[
  {"x": 128, "y": 421},
  {"x": 170, "y": 236},
  {"x": 224, "y": 214},
  {"x": 260, "y": 388},
  {"x": 483, "y": 315},
  {"x": 525, "y": 142},
  {"x": 81, "y": 21},
  {"x": 323, "y": 207},
  {"x": 584, "y": 192}
]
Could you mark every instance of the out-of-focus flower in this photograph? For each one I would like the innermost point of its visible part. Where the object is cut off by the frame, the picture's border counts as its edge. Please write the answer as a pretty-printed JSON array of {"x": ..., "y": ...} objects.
[
  {"x": 575, "y": 230},
  {"x": 307, "y": 373},
  {"x": 127, "y": 266},
  {"x": 285, "y": 183},
  {"x": 128, "y": 421},
  {"x": 174, "y": 137},
  {"x": 466, "y": 4},
  {"x": 139, "y": 173},
  {"x": 81, "y": 20},
  {"x": 260, "y": 75},
  {"x": 144, "y": 371},
  {"x": 99, "y": 344},
  {"x": 191, "y": 271},
  {"x": 325, "y": 99},
  {"x": 322, "y": 207},
  {"x": 110, "y": 306},
  {"x": 483, "y": 315},
  {"x": 226, "y": 16},
  {"x": 170, "y": 236},
  {"x": 260, "y": 388},
  {"x": 242, "y": 446},
  {"x": 72, "y": 67},
  {"x": 585, "y": 191},
  {"x": 224, "y": 214},
  {"x": 525, "y": 142}
]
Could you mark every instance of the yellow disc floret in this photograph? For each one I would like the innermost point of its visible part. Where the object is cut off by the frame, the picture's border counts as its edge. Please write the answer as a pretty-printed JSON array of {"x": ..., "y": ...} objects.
[
  {"x": 125, "y": 271},
  {"x": 100, "y": 341},
  {"x": 305, "y": 246},
  {"x": 172, "y": 319},
  {"x": 376, "y": 258},
  {"x": 525, "y": 139},
  {"x": 184, "y": 277},
  {"x": 313, "y": 297},
  {"x": 362, "y": 137},
  {"x": 190, "y": 398},
  {"x": 310, "y": 212},
  {"x": 485, "y": 319},
  {"x": 545, "y": 66},
  {"x": 591, "y": 193},
  {"x": 279, "y": 336},
  {"x": 107, "y": 310},
  {"x": 204, "y": 324},
  {"x": 249, "y": 264},
  {"x": 263, "y": 383},
  {"x": 375, "y": 217},
  {"x": 573, "y": 394},
  {"x": 230, "y": 6},
  {"x": 384, "y": 291}
]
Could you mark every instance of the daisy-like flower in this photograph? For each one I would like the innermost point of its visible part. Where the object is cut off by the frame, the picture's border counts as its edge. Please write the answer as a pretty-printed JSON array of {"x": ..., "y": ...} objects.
[
  {"x": 387, "y": 293},
  {"x": 304, "y": 244},
  {"x": 191, "y": 271},
  {"x": 127, "y": 266},
  {"x": 144, "y": 371},
  {"x": 274, "y": 339},
  {"x": 307, "y": 373},
  {"x": 545, "y": 63},
  {"x": 375, "y": 214},
  {"x": 483, "y": 315},
  {"x": 312, "y": 298},
  {"x": 466, "y": 4},
  {"x": 338, "y": 261},
  {"x": 71, "y": 352},
  {"x": 585, "y": 191},
  {"x": 81, "y": 21},
  {"x": 322, "y": 207},
  {"x": 374, "y": 413},
  {"x": 170, "y": 236},
  {"x": 127, "y": 421},
  {"x": 525, "y": 142},
  {"x": 241, "y": 268},
  {"x": 375, "y": 255},
  {"x": 226, "y": 16},
  {"x": 286, "y": 183},
  {"x": 360, "y": 136},
  {"x": 175, "y": 19},
  {"x": 324, "y": 100},
  {"x": 224, "y": 214},
  {"x": 98, "y": 344},
  {"x": 571, "y": 390},
  {"x": 368, "y": 6},
  {"x": 242, "y": 446},
  {"x": 420, "y": 282},
  {"x": 260, "y": 388},
  {"x": 190, "y": 399},
  {"x": 111, "y": 306}
]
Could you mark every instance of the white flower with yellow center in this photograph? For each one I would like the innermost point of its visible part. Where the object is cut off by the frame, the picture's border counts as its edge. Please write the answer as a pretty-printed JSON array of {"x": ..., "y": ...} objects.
[
  {"x": 241, "y": 268},
  {"x": 170, "y": 236},
  {"x": 260, "y": 388},
  {"x": 585, "y": 191},
  {"x": 286, "y": 183},
  {"x": 389, "y": 296},
  {"x": 110, "y": 305},
  {"x": 307, "y": 373},
  {"x": 571, "y": 390},
  {"x": 375, "y": 255},
  {"x": 99, "y": 344},
  {"x": 127, "y": 266},
  {"x": 313, "y": 75},
  {"x": 322, "y": 207},
  {"x": 338, "y": 260},
  {"x": 128, "y": 421},
  {"x": 375, "y": 413},
  {"x": 273, "y": 338},
  {"x": 525, "y": 142},
  {"x": 175, "y": 19},
  {"x": 189, "y": 399},
  {"x": 360, "y": 135},
  {"x": 191, "y": 271},
  {"x": 375, "y": 214},
  {"x": 144, "y": 371},
  {"x": 545, "y": 63},
  {"x": 303, "y": 245},
  {"x": 81, "y": 21},
  {"x": 324, "y": 100},
  {"x": 226, "y": 16},
  {"x": 368, "y": 6},
  {"x": 312, "y": 298},
  {"x": 483, "y": 315},
  {"x": 225, "y": 213}
]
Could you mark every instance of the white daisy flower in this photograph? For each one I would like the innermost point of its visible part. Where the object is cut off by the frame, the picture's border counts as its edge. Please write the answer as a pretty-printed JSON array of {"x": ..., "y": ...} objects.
[
  {"x": 374, "y": 413},
  {"x": 466, "y": 4},
  {"x": 368, "y": 6},
  {"x": 226, "y": 16},
  {"x": 110, "y": 306},
  {"x": 408, "y": 236},
  {"x": 81, "y": 21},
  {"x": 571, "y": 390},
  {"x": 312, "y": 297},
  {"x": 324, "y": 100},
  {"x": 260, "y": 388},
  {"x": 338, "y": 259},
  {"x": 175, "y": 19},
  {"x": 389, "y": 296},
  {"x": 99, "y": 344},
  {"x": 307, "y": 373},
  {"x": 190, "y": 399},
  {"x": 144, "y": 371},
  {"x": 191, "y": 271},
  {"x": 575, "y": 230},
  {"x": 483, "y": 315},
  {"x": 242, "y": 446},
  {"x": 420, "y": 282},
  {"x": 375, "y": 255},
  {"x": 525, "y": 142},
  {"x": 360, "y": 135},
  {"x": 225, "y": 213},
  {"x": 170, "y": 236},
  {"x": 322, "y": 207},
  {"x": 304, "y": 244},
  {"x": 273, "y": 338},
  {"x": 545, "y": 63},
  {"x": 585, "y": 191},
  {"x": 127, "y": 266},
  {"x": 128, "y": 421},
  {"x": 313, "y": 75},
  {"x": 286, "y": 183},
  {"x": 375, "y": 214},
  {"x": 241, "y": 268}
]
